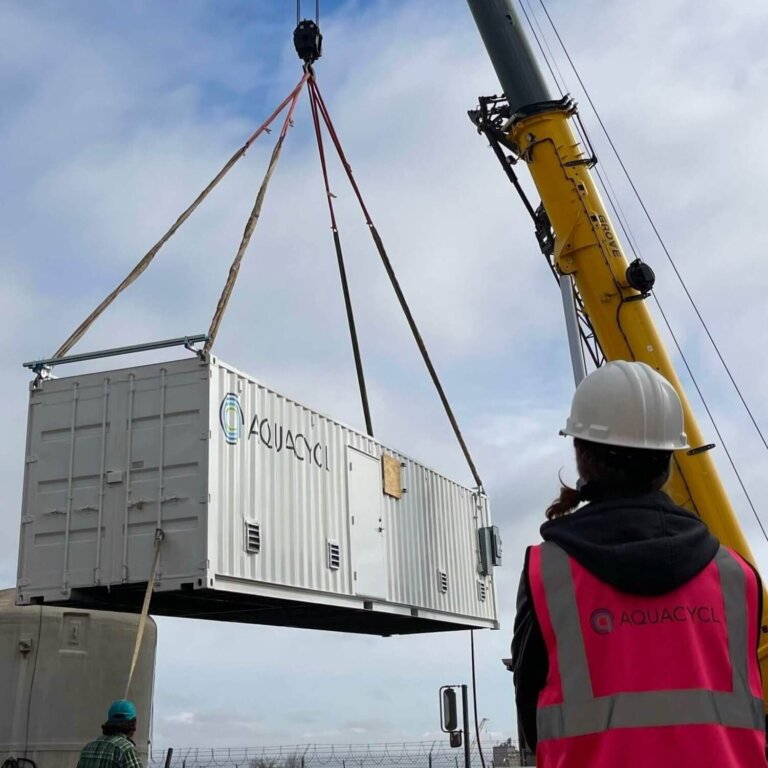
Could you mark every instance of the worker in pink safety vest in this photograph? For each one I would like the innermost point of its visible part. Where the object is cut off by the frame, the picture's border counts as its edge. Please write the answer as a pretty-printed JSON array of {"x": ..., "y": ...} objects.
[{"x": 635, "y": 641}]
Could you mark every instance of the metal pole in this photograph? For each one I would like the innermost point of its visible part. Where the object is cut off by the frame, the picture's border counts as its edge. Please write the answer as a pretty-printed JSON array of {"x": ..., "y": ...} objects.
[
  {"x": 465, "y": 708},
  {"x": 572, "y": 328},
  {"x": 168, "y": 757},
  {"x": 509, "y": 51}
]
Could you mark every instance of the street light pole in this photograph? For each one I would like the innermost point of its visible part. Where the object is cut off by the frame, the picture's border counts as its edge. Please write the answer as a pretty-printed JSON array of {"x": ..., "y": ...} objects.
[{"x": 465, "y": 709}]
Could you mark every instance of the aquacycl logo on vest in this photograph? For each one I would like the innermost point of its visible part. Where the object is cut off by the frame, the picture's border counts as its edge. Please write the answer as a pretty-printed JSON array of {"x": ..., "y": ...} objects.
[
  {"x": 602, "y": 621},
  {"x": 231, "y": 418}
]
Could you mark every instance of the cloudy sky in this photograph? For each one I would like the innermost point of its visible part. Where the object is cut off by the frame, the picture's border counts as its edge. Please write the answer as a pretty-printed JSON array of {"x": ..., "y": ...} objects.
[{"x": 115, "y": 114}]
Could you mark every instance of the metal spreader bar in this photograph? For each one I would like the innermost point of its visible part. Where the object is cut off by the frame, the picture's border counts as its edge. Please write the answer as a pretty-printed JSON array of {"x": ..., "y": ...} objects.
[{"x": 183, "y": 341}]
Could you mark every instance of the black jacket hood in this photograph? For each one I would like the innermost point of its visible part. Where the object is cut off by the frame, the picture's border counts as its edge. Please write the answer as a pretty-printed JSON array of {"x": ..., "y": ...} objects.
[{"x": 645, "y": 545}]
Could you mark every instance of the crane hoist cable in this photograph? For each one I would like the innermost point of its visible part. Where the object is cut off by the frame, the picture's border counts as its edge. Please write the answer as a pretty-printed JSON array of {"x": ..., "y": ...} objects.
[
  {"x": 561, "y": 85},
  {"x": 253, "y": 220},
  {"x": 342, "y": 269},
  {"x": 323, "y": 112},
  {"x": 146, "y": 260},
  {"x": 656, "y": 231},
  {"x": 298, "y": 12},
  {"x": 624, "y": 223}
]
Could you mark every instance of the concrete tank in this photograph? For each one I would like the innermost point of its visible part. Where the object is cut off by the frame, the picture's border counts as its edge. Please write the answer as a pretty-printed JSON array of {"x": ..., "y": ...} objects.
[{"x": 59, "y": 671}]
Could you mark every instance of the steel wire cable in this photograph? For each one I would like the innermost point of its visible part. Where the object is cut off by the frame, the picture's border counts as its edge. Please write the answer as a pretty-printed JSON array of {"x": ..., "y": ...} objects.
[
  {"x": 320, "y": 759},
  {"x": 655, "y": 229},
  {"x": 382, "y": 756},
  {"x": 562, "y": 87},
  {"x": 714, "y": 423},
  {"x": 349, "y": 755},
  {"x": 552, "y": 57},
  {"x": 538, "y": 42},
  {"x": 587, "y": 144},
  {"x": 615, "y": 205},
  {"x": 298, "y": 12},
  {"x": 704, "y": 402}
]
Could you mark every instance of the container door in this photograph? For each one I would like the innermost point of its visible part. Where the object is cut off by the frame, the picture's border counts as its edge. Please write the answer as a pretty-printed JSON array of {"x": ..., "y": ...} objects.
[
  {"x": 367, "y": 531},
  {"x": 155, "y": 475}
]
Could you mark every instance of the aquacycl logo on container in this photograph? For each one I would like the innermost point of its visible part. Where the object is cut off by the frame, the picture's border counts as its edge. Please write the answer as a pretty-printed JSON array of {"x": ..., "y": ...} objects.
[{"x": 231, "y": 418}]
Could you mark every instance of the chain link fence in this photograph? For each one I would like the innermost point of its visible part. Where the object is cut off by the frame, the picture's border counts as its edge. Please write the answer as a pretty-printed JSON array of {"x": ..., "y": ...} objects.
[{"x": 416, "y": 754}]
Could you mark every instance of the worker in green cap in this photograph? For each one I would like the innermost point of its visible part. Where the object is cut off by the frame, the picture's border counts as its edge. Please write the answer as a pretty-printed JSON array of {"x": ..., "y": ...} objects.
[{"x": 115, "y": 747}]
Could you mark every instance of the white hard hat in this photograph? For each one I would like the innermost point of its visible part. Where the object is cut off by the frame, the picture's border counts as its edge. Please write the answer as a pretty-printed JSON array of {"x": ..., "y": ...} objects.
[{"x": 628, "y": 405}]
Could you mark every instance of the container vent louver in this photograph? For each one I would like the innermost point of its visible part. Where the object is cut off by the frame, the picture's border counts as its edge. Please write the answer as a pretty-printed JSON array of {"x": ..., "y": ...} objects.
[
  {"x": 334, "y": 556},
  {"x": 252, "y": 538},
  {"x": 442, "y": 581},
  {"x": 482, "y": 591}
]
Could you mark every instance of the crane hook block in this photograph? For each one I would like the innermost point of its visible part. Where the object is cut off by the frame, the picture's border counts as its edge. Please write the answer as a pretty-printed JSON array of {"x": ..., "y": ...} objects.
[{"x": 308, "y": 41}]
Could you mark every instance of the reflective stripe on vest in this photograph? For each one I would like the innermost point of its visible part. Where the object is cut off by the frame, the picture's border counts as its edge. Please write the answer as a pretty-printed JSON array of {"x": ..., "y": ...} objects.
[{"x": 582, "y": 713}]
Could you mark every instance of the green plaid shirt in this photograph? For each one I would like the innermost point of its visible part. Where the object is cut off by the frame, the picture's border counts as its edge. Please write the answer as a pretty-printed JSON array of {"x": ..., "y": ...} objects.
[{"x": 116, "y": 751}]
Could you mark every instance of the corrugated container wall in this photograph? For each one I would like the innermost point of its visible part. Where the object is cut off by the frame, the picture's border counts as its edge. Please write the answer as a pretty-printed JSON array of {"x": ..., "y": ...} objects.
[
  {"x": 272, "y": 513},
  {"x": 59, "y": 671}
]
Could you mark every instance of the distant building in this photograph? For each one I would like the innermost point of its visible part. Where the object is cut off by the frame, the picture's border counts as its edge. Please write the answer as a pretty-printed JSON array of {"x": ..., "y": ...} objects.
[{"x": 506, "y": 754}]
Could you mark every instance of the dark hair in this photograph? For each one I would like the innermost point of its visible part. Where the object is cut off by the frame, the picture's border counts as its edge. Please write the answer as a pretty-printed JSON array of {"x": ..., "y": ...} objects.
[
  {"x": 610, "y": 471},
  {"x": 126, "y": 728}
]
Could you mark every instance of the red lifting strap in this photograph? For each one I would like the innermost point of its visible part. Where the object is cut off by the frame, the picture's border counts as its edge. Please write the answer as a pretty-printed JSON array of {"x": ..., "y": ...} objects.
[
  {"x": 250, "y": 225},
  {"x": 323, "y": 112},
  {"x": 150, "y": 255}
]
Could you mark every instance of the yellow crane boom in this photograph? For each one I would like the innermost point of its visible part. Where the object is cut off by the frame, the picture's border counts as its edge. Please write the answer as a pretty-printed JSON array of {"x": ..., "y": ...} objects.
[{"x": 539, "y": 132}]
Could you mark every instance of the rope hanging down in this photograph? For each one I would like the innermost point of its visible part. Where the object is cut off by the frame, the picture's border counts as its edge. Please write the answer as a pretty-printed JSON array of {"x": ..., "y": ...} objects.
[
  {"x": 323, "y": 111},
  {"x": 250, "y": 225},
  {"x": 342, "y": 269},
  {"x": 150, "y": 255},
  {"x": 159, "y": 536}
]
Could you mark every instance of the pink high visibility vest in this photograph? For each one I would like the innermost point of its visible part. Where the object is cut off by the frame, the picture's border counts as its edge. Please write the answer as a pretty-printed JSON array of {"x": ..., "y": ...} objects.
[{"x": 637, "y": 681}]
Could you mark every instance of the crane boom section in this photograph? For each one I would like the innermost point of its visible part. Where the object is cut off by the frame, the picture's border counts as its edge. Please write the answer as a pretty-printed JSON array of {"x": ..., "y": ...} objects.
[{"x": 587, "y": 247}]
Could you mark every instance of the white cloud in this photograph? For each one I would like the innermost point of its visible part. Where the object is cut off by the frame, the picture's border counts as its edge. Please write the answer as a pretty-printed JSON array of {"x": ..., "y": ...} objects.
[
  {"x": 111, "y": 127},
  {"x": 183, "y": 717}
]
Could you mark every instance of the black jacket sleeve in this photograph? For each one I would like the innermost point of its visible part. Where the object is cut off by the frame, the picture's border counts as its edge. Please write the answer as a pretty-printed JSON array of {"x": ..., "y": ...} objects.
[
  {"x": 530, "y": 665},
  {"x": 760, "y": 632}
]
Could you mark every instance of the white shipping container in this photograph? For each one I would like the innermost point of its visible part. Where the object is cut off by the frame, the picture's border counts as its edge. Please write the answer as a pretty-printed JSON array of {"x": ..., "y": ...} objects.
[{"x": 272, "y": 513}]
